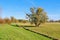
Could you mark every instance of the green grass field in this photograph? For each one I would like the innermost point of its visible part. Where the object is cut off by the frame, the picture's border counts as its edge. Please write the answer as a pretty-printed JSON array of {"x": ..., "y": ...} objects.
[
  {"x": 50, "y": 29},
  {"x": 8, "y": 32}
]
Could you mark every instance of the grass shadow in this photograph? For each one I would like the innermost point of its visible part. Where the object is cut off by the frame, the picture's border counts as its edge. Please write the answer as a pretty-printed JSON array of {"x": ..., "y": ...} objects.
[
  {"x": 15, "y": 25},
  {"x": 23, "y": 25},
  {"x": 26, "y": 26}
]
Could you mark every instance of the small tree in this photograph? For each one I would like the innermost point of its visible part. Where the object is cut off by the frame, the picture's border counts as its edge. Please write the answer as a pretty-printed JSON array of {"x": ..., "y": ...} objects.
[
  {"x": 13, "y": 20},
  {"x": 7, "y": 20},
  {"x": 37, "y": 16},
  {"x": 0, "y": 20}
]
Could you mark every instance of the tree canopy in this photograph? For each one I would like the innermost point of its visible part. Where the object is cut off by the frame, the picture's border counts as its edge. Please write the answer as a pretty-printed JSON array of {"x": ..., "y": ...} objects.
[{"x": 37, "y": 16}]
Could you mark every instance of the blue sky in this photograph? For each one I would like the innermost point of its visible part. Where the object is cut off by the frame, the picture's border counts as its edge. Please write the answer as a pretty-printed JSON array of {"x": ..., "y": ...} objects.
[{"x": 18, "y": 8}]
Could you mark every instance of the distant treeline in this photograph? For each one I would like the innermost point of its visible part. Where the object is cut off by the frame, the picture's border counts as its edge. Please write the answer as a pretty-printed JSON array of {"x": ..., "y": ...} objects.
[
  {"x": 12, "y": 20},
  {"x": 54, "y": 21}
]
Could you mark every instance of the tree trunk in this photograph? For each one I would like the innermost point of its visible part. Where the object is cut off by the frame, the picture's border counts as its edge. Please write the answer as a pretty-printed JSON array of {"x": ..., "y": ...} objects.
[{"x": 37, "y": 25}]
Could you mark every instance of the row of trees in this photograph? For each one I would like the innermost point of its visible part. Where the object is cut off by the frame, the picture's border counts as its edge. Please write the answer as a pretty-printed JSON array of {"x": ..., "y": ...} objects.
[
  {"x": 11, "y": 20},
  {"x": 7, "y": 20},
  {"x": 54, "y": 21}
]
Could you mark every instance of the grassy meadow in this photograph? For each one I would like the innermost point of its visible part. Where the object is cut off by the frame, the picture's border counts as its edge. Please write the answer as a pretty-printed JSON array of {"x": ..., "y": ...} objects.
[
  {"x": 50, "y": 29},
  {"x": 9, "y": 32}
]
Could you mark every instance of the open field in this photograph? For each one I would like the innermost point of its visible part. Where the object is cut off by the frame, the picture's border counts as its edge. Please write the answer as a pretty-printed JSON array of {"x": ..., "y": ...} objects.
[
  {"x": 50, "y": 29},
  {"x": 8, "y": 32}
]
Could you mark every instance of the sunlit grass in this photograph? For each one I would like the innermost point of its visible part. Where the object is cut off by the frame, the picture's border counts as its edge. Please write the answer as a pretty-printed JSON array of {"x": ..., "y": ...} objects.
[
  {"x": 50, "y": 29},
  {"x": 8, "y": 32}
]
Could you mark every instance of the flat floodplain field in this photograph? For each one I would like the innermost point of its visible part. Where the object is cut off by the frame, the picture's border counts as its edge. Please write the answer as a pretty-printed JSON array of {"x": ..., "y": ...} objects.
[
  {"x": 8, "y": 32},
  {"x": 50, "y": 29}
]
